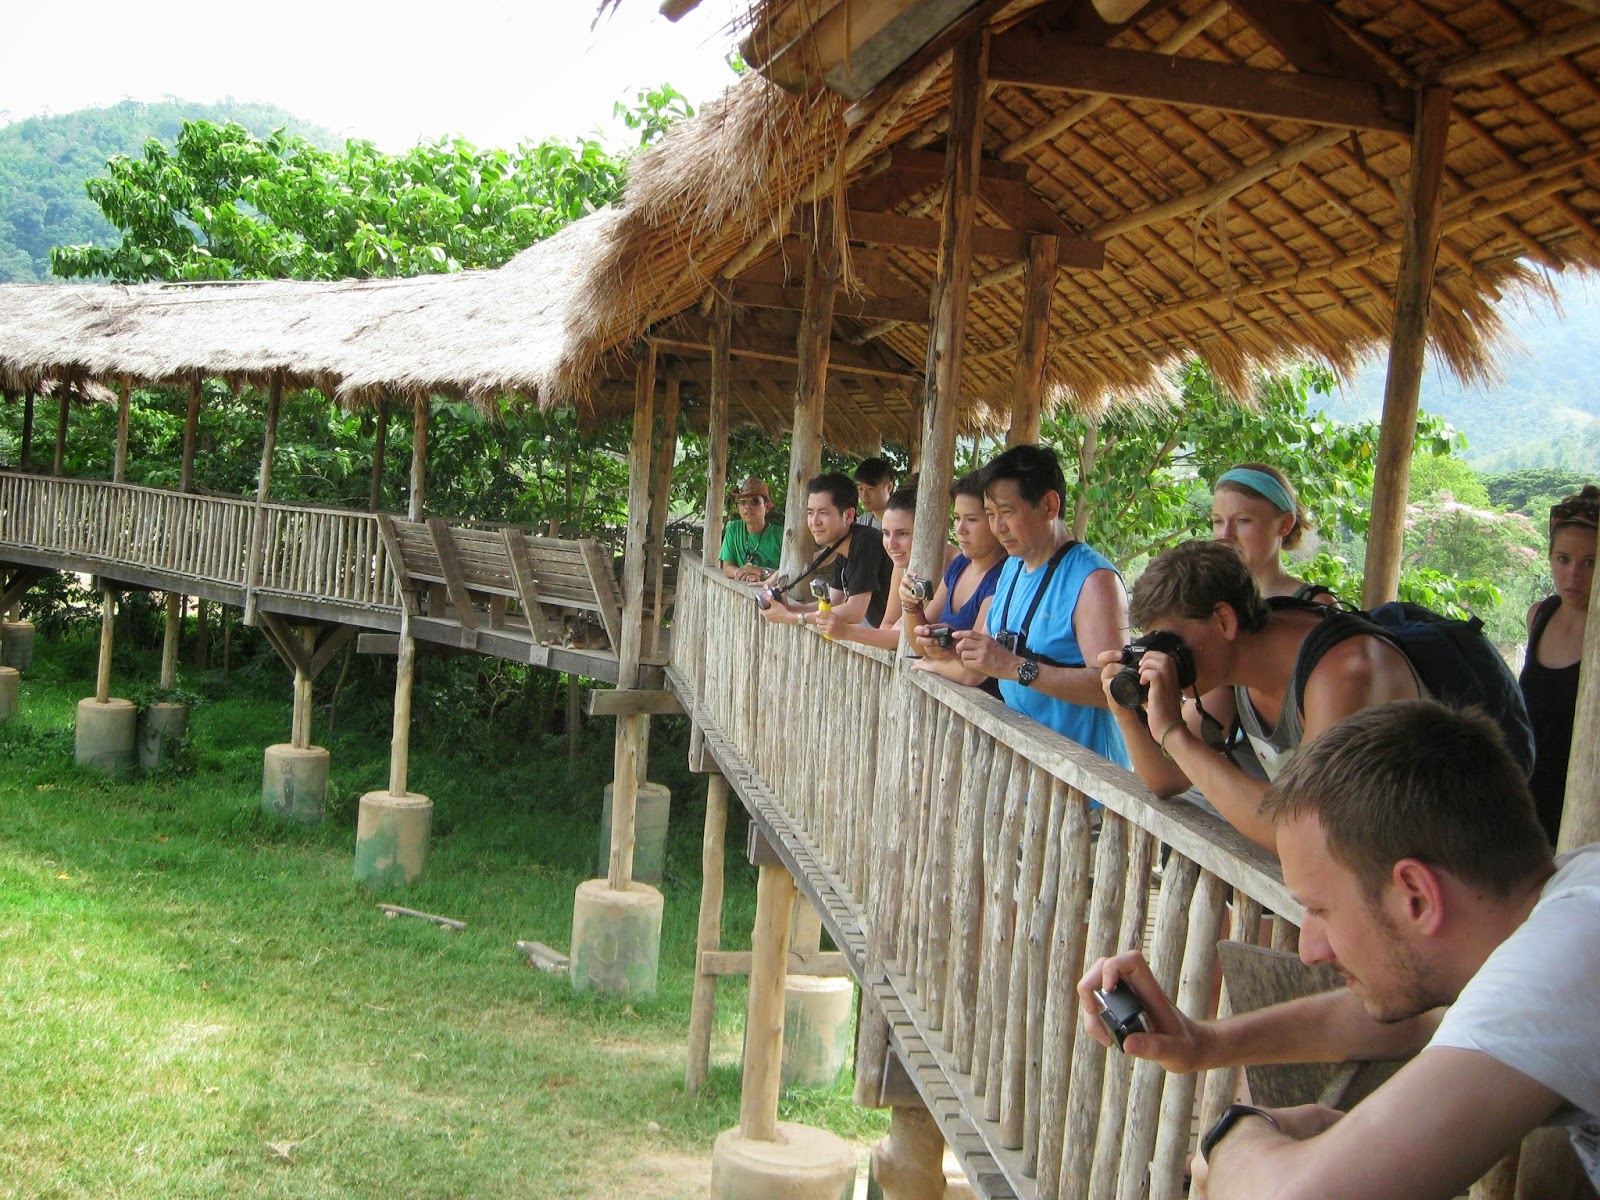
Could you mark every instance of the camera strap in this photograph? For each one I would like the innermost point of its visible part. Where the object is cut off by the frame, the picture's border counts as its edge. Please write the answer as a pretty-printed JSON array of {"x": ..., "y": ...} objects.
[
  {"x": 1038, "y": 596},
  {"x": 819, "y": 560}
]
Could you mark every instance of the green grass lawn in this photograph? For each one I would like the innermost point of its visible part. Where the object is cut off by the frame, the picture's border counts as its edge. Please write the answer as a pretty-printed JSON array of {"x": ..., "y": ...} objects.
[{"x": 199, "y": 1002}]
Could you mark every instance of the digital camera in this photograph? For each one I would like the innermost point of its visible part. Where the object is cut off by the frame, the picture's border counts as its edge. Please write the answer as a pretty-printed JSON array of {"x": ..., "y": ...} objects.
[
  {"x": 1121, "y": 1012},
  {"x": 1009, "y": 640},
  {"x": 773, "y": 591},
  {"x": 1127, "y": 689},
  {"x": 942, "y": 636},
  {"x": 919, "y": 587}
]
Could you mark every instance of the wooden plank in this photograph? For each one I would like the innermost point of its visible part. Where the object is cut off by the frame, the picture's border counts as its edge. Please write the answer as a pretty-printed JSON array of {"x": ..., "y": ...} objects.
[
  {"x": 879, "y": 52},
  {"x": 445, "y": 548},
  {"x": 632, "y": 702},
  {"x": 527, "y": 587},
  {"x": 1029, "y": 56},
  {"x": 397, "y": 560},
  {"x": 598, "y": 569},
  {"x": 1310, "y": 38},
  {"x": 828, "y": 963}
]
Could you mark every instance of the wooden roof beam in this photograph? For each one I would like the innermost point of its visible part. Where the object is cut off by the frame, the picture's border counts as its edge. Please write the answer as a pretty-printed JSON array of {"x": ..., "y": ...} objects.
[
  {"x": 1311, "y": 39},
  {"x": 922, "y": 234},
  {"x": 1031, "y": 57},
  {"x": 694, "y": 334},
  {"x": 904, "y": 307}
]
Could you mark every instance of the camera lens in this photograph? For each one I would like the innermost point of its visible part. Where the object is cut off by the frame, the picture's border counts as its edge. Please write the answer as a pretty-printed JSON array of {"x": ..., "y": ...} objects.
[{"x": 1127, "y": 689}]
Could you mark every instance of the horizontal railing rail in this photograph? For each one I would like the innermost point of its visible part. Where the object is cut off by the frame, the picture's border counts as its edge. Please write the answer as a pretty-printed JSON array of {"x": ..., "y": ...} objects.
[{"x": 993, "y": 859}]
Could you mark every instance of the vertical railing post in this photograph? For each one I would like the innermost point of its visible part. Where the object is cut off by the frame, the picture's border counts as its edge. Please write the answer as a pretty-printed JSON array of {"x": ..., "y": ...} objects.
[{"x": 269, "y": 446}]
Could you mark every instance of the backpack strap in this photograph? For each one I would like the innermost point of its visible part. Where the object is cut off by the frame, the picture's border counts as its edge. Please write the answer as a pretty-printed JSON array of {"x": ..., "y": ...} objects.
[{"x": 1337, "y": 625}]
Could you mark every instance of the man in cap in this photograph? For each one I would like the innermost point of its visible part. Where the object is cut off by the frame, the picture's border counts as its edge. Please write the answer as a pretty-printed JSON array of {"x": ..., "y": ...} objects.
[{"x": 752, "y": 545}]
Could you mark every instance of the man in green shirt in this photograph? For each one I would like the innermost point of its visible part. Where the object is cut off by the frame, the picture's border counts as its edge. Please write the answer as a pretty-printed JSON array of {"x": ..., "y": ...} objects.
[{"x": 751, "y": 546}]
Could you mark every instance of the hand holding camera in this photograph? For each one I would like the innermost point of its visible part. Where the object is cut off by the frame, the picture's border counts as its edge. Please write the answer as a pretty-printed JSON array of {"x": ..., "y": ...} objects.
[{"x": 1124, "y": 1008}]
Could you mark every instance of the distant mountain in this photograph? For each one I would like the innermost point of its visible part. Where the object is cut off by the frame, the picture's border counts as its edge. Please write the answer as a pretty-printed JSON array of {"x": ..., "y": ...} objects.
[
  {"x": 1545, "y": 412},
  {"x": 44, "y": 162}
]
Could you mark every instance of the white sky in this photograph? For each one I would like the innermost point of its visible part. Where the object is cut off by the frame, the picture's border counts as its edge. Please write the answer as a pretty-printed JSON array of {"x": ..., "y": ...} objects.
[{"x": 496, "y": 71}]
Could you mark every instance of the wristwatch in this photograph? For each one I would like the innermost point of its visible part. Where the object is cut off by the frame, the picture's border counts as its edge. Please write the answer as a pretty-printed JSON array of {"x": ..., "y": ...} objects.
[
  {"x": 1027, "y": 672},
  {"x": 1229, "y": 1118}
]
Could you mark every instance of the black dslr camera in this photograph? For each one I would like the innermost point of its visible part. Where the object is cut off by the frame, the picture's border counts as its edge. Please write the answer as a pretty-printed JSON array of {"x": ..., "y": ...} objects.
[
  {"x": 1126, "y": 687},
  {"x": 1121, "y": 1012}
]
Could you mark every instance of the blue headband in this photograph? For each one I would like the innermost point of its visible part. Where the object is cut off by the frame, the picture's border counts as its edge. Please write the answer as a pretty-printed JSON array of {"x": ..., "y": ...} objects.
[{"x": 1264, "y": 485}]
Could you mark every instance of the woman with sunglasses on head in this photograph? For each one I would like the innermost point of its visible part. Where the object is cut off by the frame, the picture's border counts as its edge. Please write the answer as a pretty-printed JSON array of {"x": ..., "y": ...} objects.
[
  {"x": 1555, "y": 649},
  {"x": 1255, "y": 510}
]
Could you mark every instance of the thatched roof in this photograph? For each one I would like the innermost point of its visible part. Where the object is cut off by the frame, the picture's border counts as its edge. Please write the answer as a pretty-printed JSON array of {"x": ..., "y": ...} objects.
[{"x": 1245, "y": 239}]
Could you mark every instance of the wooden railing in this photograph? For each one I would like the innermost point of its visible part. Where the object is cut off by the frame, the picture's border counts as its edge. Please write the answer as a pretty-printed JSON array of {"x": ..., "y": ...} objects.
[
  {"x": 991, "y": 860},
  {"x": 330, "y": 553}
]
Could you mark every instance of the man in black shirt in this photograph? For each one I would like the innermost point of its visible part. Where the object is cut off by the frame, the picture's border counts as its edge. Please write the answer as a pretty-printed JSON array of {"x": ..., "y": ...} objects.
[{"x": 850, "y": 557}]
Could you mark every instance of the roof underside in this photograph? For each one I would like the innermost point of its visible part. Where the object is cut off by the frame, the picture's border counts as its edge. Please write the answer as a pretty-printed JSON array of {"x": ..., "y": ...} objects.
[{"x": 1244, "y": 218}]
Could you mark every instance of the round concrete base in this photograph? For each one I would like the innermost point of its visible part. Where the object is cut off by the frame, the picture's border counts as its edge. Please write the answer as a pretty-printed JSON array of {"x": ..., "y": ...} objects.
[
  {"x": 616, "y": 939},
  {"x": 105, "y": 734},
  {"x": 294, "y": 783},
  {"x": 16, "y": 644},
  {"x": 816, "y": 1029},
  {"x": 649, "y": 832},
  {"x": 392, "y": 838},
  {"x": 803, "y": 1164},
  {"x": 10, "y": 691},
  {"x": 161, "y": 725}
]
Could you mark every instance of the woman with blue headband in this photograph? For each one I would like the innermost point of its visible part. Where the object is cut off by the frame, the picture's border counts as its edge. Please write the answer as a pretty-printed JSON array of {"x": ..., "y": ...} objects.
[{"x": 1255, "y": 510}]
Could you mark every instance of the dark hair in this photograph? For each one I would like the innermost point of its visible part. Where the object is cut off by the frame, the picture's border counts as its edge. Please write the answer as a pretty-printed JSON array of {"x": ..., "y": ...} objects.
[
  {"x": 840, "y": 487},
  {"x": 1191, "y": 579},
  {"x": 1581, "y": 510},
  {"x": 1414, "y": 779},
  {"x": 971, "y": 485},
  {"x": 902, "y": 500},
  {"x": 1302, "y": 519},
  {"x": 873, "y": 471},
  {"x": 1036, "y": 470}
]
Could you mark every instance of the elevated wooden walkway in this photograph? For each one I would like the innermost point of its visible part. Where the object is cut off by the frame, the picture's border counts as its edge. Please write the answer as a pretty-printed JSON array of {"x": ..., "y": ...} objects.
[{"x": 504, "y": 591}]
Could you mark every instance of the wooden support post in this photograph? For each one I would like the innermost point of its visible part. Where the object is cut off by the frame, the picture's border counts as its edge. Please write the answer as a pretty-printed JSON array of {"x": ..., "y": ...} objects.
[
  {"x": 763, "y": 1028},
  {"x": 191, "y": 430},
  {"x": 948, "y": 300},
  {"x": 380, "y": 439},
  {"x": 1412, "y": 299},
  {"x": 119, "y": 463},
  {"x": 400, "y": 736},
  {"x": 108, "y": 618},
  {"x": 27, "y": 428},
  {"x": 661, "y": 505},
  {"x": 703, "y": 1007},
  {"x": 717, "y": 434},
  {"x": 170, "y": 637},
  {"x": 419, "y": 459},
  {"x": 269, "y": 446},
  {"x": 812, "y": 349},
  {"x": 574, "y": 721},
  {"x": 61, "y": 435},
  {"x": 300, "y": 735},
  {"x": 1038, "y": 286}
]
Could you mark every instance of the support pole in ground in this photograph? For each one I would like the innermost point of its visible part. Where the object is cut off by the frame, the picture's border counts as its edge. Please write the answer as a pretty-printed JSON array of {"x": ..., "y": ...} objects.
[
  {"x": 1413, "y": 295},
  {"x": 762, "y": 1157},
  {"x": 660, "y": 507},
  {"x": 416, "y": 502},
  {"x": 1038, "y": 286},
  {"x": 814, "y": 346},
  {"x": 27, "y": 428},
  {"x": 269, "y": 446},
  {"x": 119, "y": 462},
  {"x": 380, "y": 440},
  {"x": 106, "y": 726},
  {"x": 717, "y": 428},
  {"x": 191, "y": 431},
  {"x": 574, "y": 721},
  {"x": 59, "y": 467},
  {"x": 294, "y": 781},
  {"x": 703, "y": 1007},
  {"x": 393, "y": 827}
]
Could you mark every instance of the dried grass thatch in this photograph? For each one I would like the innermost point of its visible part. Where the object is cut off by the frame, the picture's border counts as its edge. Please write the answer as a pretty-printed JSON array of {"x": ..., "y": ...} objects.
[{"x": 1245, "y": 241}]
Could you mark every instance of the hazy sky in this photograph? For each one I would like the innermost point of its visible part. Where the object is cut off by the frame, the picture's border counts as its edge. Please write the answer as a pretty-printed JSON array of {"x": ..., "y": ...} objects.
[{"x": 497, "y": 71}]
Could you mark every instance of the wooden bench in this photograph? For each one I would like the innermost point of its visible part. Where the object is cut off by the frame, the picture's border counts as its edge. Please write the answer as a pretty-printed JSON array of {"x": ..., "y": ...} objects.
[{"x": 498, "y": 575}]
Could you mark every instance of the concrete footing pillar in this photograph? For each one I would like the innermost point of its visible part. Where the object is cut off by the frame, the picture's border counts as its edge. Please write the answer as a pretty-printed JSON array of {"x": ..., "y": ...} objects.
[
  {"x": 10, "y": 691},
  {"x": 816, "y": 1029},
  {"x": 105, "y": 733},
  {"x": 392, "y": 838},
  {"x": 16, "y": 645},
  {"x": 160, "y": 726},
  {"x": 616, "y": 939},
  {"x": 294, "y": 783},
  {"x": 802, "y": 1164},
  {"x": 649, "y": 832},
  {"x": 909, "y": 1163}
]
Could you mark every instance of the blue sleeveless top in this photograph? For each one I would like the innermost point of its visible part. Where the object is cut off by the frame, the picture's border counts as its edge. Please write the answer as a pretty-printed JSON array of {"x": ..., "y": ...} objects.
[{"x": 966, "y": 616}]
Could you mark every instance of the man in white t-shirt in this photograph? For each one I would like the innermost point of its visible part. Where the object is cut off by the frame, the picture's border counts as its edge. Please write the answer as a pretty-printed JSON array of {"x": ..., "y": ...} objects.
[{"x": 1408, "y": 835}]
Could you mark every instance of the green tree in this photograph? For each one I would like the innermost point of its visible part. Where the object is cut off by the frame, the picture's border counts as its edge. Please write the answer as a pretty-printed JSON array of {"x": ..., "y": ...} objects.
[{"x": 1432, "y": 474}]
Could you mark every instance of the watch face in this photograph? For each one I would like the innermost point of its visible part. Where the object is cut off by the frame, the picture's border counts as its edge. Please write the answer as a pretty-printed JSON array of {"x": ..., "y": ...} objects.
[{"x": 1027, "y": 672}]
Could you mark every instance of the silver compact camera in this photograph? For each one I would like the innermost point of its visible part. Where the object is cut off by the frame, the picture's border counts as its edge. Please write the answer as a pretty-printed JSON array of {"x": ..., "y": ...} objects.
[
  {"x": 919, "y": 587},
  {"x": 1121, "y": 1012}
]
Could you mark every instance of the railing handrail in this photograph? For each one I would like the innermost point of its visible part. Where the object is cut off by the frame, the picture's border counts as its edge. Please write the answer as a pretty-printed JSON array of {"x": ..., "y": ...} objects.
[{"x": 65, "y": 481}]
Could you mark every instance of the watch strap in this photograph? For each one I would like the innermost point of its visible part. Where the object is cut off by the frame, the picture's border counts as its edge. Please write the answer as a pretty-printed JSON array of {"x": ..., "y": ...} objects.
[{"x": 1229, "y": 1118}]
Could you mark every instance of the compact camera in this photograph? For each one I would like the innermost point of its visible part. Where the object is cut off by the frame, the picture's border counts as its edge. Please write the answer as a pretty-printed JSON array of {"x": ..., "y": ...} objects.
[
  {"x": 1009, "y": 640},
  {"x": 919, "y": 587},
  {"x": 942, "y": 636},
  {"x": 1127, "y": 689},
  {"x": 773, "y": 591},
  {"x": 1121, "y": 1012},
  {"x": 819, "y": 590}
]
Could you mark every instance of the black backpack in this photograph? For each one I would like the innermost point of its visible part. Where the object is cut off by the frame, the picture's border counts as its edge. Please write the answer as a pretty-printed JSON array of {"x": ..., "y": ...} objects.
[{"x": 1455, "y": 661}]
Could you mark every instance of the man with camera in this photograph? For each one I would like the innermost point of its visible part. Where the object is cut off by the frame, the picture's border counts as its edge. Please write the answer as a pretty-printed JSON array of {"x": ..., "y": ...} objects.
[
  {"x": 1057, "y": 606},
  {"x": 1218, "y": 640},
  {"x": 1408, "y": 836},
  {"x": 850, "y": 558}
]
